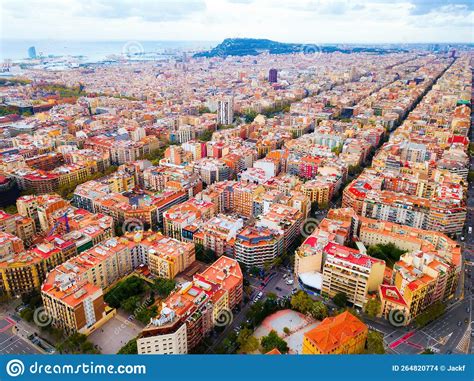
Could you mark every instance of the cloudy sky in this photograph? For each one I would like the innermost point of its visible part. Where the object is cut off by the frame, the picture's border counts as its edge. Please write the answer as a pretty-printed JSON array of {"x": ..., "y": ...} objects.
[{"x": 317, "y": 21}]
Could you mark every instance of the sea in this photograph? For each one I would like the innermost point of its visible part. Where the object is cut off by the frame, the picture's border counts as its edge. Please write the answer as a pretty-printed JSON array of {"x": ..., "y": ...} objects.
[{"x": 95, "y": 50}]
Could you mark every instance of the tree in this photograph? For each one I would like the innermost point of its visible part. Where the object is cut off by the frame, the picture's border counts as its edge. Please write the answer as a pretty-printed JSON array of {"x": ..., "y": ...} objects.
[
  {"x": 272, "y": 296},
  {"x": 427, "y": 351},
  {"x": 130, "y": 304},
  {"x": 250, "y": 116},
  {"x": 374, "y": 344},
  {"x": 27, "y": 314},
  {"x": 260, "y": 310},
  {"x": 470, "y": 175},
  {"x": 337, "y": 150},
  {"x": 318, "y": 310},
  {"x": 286, "y": 330},
  {"x": 77, "y": 343},
  {"x": 144, "y": 314},
  {"x": 228, "y": 345},
  {"x": 129, "y": 349},
  {"x": 387, "y": 252},
  {"x": 8, "y": 110},
  {"x": 340, "y": 299},
  {"x": 372, "y": 307},
  {"x": 277, "y": 261},
  {"x": 11, "y": 209},
  {"x": 323, "y": 205},
  {"x": 203, "y": 110},
  {"x": 32, "y": 299},
  {"x": 255, "y": 271},
  {"x": 471, "y": 148},
  {"x": 133, "y": 286},
  {"x": 272, "y": 341},
  {"x": 206, "y": 136},
  {"x": 164, "y": 286},
  {"x": 301, "y": 302},
  {"x": 247, "y": 342},
  {"x": 354, "y": 169},
  {"x": 267, "y": 266}
]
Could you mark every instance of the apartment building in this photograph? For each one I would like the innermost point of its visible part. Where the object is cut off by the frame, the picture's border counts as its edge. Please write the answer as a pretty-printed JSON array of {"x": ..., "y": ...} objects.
[
  {"x": 284, "y": 219},
  {"x": 348, "y": 271},
  {"x": 165, "y": 256},
  {"x": 181, "y": 220},
  {"x": 255, "y": 246},
  {"x": 191, "y": 311},
  {"x": 23, "y": 271},
  {"x": 227, "y": 273},
  {"x": 219, "y": 233},
  {"x": 74, "y": 304},
  {"x": 212, "y": 170}
]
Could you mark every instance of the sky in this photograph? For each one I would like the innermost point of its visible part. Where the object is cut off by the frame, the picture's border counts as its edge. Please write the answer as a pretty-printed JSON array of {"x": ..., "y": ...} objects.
[{"x": 305, "y": 21}]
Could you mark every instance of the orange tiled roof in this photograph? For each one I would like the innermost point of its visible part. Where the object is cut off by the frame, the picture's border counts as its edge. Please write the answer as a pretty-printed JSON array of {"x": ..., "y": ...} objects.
[
  {"x": 335, "y": 331},
  {"x": 274, "y": 351}
]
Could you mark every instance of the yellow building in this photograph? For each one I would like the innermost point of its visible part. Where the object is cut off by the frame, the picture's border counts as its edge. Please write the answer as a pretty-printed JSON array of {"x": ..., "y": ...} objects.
[
  {"x": 319, "y": 191},
  {"x": 392, "y": 300},
  {"x": 244, "y": 195},
  {"x": 166, "y": 256},
  {"x": 342, "y": 334},
  {"x": 416, "y": 290},
  {"x": 23, "y": 271}
]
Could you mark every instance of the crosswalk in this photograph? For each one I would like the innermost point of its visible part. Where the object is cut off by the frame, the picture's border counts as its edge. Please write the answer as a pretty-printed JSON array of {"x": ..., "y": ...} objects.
[{"x": 463, "y": 344}]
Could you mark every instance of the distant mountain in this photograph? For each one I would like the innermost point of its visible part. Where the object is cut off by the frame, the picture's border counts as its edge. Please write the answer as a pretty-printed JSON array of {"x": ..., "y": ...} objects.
[{"x": 254, "y": 47}]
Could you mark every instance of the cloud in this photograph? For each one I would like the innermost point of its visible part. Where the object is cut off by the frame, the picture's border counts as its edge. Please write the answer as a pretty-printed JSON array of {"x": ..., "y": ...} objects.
[
  {"x": 145, "y": 9},
  {"x": 423, "y": 7},
  {"x": 240, "y": 1},
  {"x": 309, "y": 21},
  {"x": 148, "y": 10}
]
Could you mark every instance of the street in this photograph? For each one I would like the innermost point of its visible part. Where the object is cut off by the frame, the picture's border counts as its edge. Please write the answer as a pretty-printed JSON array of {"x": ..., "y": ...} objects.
[{"x": 12, "y": 340}]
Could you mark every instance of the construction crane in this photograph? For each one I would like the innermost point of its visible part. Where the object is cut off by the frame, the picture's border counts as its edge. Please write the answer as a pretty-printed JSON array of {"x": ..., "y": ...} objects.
[{"x": 66, "y": 220}]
